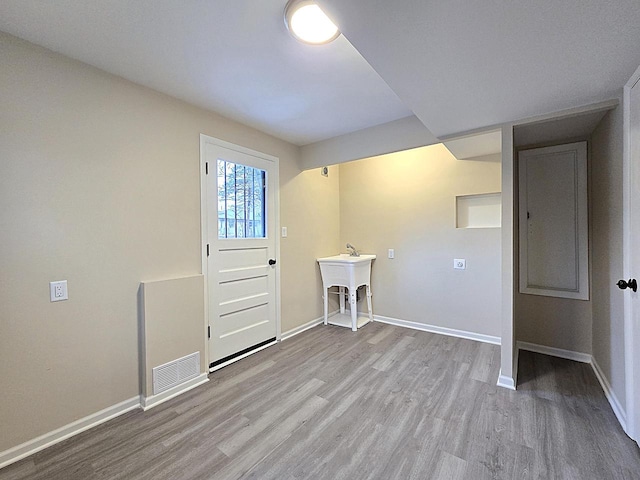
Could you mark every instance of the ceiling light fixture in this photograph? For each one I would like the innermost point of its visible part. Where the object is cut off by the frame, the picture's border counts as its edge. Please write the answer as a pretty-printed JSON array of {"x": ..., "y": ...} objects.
[{"x": 308, "y": 23}]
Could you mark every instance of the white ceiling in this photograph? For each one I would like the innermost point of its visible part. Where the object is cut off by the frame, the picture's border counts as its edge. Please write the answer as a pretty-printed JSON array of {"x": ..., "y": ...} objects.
[
  {"x": 483, "y": 144},
  {"x": 558, "y": 129},
  {"x": 464, "y": 65},
  {"x": 459, "y": 66},
  {"x": 234, "y": 57}
]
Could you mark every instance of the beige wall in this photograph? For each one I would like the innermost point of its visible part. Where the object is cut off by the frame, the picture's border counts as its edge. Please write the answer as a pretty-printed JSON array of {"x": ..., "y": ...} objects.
[
  {"x": 312, "y": 218},
  {"x": 99, "y": 185},
  {"x": 554, "y": 322},
  {"x": 406, "y": 201},
  {"x": 606, "y": 217}
]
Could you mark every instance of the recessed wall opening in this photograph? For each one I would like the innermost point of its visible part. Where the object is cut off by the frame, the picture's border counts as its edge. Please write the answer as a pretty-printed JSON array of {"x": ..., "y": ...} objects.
[{"x": 479, "y": 211}]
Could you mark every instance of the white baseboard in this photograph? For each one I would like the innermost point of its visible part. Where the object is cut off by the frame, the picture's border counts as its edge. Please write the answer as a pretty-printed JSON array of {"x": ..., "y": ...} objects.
[
  {"x": 610, "y": 394},
  {"x": 554, "y": 352},
  {"x": 154, "y": 400},
  {"x": 505, "y": 381},
  {"x": 480, "y": 337},
  {"x": 304, "y": 327},
  {"x": 56, "y": 436},
  {"x": 516, "y": 360}
]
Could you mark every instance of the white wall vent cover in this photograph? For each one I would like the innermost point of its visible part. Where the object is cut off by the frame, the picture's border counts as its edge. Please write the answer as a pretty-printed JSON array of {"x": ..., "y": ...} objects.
[{"x": 175, "y": 372}]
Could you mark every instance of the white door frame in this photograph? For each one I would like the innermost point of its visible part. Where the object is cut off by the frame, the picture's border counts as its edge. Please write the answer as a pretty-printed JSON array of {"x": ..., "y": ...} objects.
[
  {"x": 204, "y": 139},
  {"x": 631, "y": 334}
]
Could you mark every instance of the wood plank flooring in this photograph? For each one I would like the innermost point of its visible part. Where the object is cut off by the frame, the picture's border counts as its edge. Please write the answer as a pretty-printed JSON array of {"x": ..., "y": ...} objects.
[{"x": 383, "y": 403}]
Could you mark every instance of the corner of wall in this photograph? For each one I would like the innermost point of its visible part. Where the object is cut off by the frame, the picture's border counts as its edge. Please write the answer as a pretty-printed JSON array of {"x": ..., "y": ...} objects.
[
  {"x": 607, "y": 252},
  {"x": 507, "y": 349}
]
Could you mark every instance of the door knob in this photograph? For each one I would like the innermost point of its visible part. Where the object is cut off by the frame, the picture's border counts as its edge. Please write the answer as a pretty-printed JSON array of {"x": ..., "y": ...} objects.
[
  {"x": 632, "y": 284},
  {"x": 272, "y": 261}
]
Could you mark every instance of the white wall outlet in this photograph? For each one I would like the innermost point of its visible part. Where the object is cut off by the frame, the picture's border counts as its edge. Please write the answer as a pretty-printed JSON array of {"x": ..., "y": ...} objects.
[
  {"x": 459, "y": 263},
  {"x": 392, "y": 253},
  {"x": 284, "y": 232},
  {"x": 58, "y": 291}
]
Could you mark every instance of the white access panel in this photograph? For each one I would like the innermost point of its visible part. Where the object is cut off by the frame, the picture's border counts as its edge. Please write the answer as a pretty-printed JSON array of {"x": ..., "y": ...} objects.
[{"x": 554, "y": 244}]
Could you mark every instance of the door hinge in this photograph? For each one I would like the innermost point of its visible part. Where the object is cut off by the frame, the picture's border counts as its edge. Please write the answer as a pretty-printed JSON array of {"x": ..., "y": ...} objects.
[
  {"x": 206, "y": 168},
  {"x": 207, "y": 249},
  {"x": 208, "y": 331}
]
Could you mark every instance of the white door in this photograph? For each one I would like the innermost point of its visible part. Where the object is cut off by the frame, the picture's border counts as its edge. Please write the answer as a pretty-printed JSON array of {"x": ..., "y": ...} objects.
[
  {"x": 242, "y": 270},
  {"x": 632, "y": 251}
]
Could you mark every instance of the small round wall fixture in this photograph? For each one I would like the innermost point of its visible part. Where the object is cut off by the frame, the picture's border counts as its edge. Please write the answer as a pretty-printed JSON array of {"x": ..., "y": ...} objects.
[{"x": 308, "y": 23}]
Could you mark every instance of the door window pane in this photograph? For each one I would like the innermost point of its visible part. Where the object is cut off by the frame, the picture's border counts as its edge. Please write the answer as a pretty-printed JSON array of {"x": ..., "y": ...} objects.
[{"x": 241, "y": 195}]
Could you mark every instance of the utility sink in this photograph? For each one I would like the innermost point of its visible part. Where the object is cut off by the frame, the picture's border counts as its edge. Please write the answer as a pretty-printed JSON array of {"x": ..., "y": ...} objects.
[
  {"x": 346, "y": 271},
  {"x": 346, "y": 258}
]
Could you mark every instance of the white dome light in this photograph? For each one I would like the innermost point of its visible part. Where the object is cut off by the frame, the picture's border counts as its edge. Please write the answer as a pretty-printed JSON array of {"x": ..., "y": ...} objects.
[{"x": 308, "y": 23}]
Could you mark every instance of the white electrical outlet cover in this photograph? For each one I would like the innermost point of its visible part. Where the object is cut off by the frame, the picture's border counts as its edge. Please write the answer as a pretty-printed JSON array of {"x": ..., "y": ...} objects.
[
  {"x": 58, "y": 291},
  {"x": 459, "y": 263}
]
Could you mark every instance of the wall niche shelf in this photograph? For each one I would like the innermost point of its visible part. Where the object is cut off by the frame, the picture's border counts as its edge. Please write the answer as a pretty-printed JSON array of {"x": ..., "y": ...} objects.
[{"x": 479, "y": 211}]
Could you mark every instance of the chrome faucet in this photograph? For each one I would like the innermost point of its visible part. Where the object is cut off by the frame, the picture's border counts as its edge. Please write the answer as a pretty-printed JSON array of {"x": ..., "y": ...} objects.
[{"x": 353, "y": 252}]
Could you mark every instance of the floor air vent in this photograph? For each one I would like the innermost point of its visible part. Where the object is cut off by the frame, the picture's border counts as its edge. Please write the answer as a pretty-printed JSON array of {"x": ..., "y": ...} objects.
[{"x": 175, "y": 372}]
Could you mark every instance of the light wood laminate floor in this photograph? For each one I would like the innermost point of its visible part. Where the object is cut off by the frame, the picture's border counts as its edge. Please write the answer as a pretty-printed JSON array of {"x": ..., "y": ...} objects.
[{"x": 382, "y": 403}]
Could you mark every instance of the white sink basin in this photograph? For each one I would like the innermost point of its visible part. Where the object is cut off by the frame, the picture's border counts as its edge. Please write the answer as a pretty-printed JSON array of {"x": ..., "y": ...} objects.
[
  {"x": 346, "y": 271},
  {"x": 346, "y": 258}
]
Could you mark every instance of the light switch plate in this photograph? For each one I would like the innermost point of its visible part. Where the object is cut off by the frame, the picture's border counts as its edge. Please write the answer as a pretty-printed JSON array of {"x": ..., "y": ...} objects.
[
  {"x": 284, "y": 232},
  {"x": 58, "y": 291},
  {"x": 392, "y": 253},
  {"x": 459, "y": 263}
]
